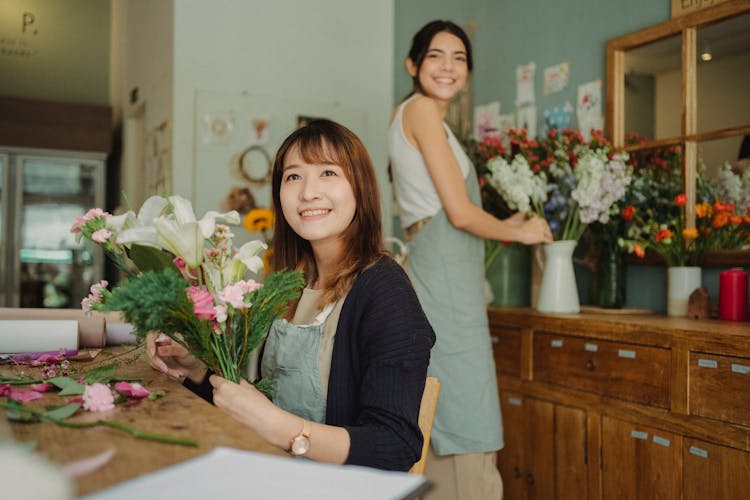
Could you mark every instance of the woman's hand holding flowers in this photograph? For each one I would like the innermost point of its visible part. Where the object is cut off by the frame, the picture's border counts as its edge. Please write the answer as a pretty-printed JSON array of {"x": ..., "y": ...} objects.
[{"x": 172, "y": 359}]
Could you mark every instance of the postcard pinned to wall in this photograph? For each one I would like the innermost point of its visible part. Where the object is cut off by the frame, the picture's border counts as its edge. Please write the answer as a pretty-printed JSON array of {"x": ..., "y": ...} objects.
[
  {"x": 557, "y": 117},
  {"x": 589, "y": 108},
  {"x": 556, "y": 77},
  {"x": 525, "y": 84},
  {"x": 526, "y": 118},
  {"x": 487, "y": 120}
]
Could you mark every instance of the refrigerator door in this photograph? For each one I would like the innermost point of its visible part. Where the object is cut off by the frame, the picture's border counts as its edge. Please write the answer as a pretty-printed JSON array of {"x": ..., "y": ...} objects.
[{"x": 52, "y": 269}]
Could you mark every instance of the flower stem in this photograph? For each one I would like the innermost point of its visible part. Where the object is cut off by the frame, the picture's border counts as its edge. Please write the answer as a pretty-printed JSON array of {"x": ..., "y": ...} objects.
[{"x": 108, "y": 423}]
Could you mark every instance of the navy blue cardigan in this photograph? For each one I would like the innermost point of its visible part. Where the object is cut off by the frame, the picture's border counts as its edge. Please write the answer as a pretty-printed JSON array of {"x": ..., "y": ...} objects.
[{"x": 378, "y": 369}]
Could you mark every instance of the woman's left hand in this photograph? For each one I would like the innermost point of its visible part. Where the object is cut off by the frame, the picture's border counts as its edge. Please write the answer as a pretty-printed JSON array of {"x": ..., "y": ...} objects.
[{"x": 249, "y": 406}]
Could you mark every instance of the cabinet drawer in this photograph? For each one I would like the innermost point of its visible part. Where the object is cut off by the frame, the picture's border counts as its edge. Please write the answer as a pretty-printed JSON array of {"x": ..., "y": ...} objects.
[
  {"x": 614, "y": 369},
  {"x": 719, "y": 387},
  {"x": 506, "y": 346}
]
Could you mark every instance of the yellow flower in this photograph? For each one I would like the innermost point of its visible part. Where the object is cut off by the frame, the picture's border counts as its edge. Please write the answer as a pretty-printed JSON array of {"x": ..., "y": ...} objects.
[
  {"x": 690, "y": 233},
  {"x": 258, "y": 219}
]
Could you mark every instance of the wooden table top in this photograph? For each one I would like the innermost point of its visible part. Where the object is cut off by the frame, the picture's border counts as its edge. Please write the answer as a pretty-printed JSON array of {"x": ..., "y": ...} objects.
[{"x": 180, "y": 413}]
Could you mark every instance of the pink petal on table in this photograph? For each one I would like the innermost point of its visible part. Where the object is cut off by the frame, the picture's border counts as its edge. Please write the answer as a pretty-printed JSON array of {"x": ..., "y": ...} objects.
[
  {"x": 134, "y": 390},
  {"x": 40, "y": 387},
  {"x": 19, "y": 395},
  {"x": 5, "y": 390},
  {"x": 75, "y": 399},
  {"x": 85, "y": 466}
]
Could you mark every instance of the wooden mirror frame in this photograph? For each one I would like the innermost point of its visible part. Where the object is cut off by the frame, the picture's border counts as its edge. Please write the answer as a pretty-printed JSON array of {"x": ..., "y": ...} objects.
[{"x": 686, "y": 26}]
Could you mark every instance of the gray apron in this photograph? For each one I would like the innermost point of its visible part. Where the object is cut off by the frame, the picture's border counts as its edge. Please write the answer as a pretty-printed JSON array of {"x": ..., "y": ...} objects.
[
  {"x": 446, "y": 266},
  {"x": 291, "y": 359}
]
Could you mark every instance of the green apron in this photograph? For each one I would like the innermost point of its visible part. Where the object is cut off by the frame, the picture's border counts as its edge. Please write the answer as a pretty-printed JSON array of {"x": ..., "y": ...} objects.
[
  {"x": 446, "y": 266},
  {"x": 291, "y": 359}
]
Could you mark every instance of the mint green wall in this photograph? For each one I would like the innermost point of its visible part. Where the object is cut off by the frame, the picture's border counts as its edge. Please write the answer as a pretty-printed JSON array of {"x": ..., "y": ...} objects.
[
  {"x": 62, "y": 55},
  {"x": 508, "y": 33}
]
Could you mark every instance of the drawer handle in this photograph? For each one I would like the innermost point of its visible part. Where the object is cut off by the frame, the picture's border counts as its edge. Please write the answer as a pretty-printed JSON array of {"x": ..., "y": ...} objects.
[
  {"x": 660, "y": 440},
  {"x": 530, "y": 479},
  {"x": 639, "y": 435},
  {"x": 516, "y": 472},
  {"x": 590, "y": 365},
  {"x": 699, "y": 452},
  {"x": 591, "y": 347},
  {"x": 495, "y": 339},
  {"x": 556, "y": 343},
  {"x": 707, "y": 363},
  {"x": 514, "y": 401},
  {"x": 741, "y": 369},
  {"x": 626, "y": 353}
]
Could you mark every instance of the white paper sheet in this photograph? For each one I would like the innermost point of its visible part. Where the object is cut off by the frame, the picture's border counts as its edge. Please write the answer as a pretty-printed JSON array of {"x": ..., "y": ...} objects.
[
  {"x": 229, "y": 473},
  {"x": 35, "y": 335}
]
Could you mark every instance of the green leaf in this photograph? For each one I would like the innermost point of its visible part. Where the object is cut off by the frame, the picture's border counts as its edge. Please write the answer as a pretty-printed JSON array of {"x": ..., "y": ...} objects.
[
  {"x": 149, "y": 258},
  {"x": 156, "y": 395},
  {"x": 102, "y": 374},
  {"x": 68, "y": 385},
  {"x": 17, "y": 412},
  {"x": 63, "y": 412}
]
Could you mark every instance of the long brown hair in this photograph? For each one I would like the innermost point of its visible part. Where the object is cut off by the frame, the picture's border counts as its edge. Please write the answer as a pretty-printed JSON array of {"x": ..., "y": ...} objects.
[{"x": 328, "y": 143}]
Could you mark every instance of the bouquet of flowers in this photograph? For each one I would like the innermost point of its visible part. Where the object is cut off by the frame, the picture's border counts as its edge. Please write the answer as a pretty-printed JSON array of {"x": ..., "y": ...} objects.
[
  {"x": 187, "y": 280},
  {"x": 567, "y": 181}
]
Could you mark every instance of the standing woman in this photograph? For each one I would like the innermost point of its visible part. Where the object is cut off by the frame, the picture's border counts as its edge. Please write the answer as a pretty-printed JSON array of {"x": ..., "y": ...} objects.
[
  {"x": 438, "y": 195},
  {"x": 351, "y": 359}
]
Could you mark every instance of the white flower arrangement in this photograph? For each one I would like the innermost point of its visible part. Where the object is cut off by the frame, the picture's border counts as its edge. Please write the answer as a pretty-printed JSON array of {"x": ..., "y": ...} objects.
[{"x": 518, "y": 185}]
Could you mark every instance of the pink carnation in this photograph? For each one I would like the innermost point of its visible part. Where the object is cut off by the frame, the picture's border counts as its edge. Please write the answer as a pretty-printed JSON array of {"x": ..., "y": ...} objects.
[
  {"x": 234, "y": 295},
  {"x": 98, "y": 397},
  {"x": 203, "y": 302},
  {"x": 101, "y": 236},
  {"x": 131, "y": 390}
]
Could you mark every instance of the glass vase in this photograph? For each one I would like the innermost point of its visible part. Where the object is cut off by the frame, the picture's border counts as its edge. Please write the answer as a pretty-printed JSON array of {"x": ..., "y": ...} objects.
[
  {"x": 509, "y": 276},
  {"x": 610, "y": 280}
]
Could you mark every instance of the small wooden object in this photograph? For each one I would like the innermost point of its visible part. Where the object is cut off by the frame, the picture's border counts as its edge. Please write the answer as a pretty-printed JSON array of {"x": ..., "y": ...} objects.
[{"x": 698, "y": 304}]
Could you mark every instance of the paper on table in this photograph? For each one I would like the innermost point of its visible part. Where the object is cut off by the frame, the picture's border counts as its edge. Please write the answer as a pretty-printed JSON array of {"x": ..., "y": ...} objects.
[
  {"x": 18, "y": 335},
  {"x": 230, "y": 473}
]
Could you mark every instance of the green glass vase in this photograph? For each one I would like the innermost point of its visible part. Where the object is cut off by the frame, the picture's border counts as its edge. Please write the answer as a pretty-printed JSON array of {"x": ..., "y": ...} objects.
[
  {"x": 610, "y": 280},
  {"x": 509, "y": 275}
]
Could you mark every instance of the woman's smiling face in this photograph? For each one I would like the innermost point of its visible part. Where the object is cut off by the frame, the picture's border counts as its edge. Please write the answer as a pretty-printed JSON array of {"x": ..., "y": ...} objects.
[
  {"x": 444, "y": 69},
  {"x": 317, "y": 200}
]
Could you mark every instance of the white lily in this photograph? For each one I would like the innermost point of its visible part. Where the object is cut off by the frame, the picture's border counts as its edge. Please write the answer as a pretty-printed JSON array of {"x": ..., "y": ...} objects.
[{"x": 246, "y": 259}]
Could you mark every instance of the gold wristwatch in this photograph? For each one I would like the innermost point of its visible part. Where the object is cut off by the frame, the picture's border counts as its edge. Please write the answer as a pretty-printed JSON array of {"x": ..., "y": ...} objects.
[{"x": 300, "y": 444}]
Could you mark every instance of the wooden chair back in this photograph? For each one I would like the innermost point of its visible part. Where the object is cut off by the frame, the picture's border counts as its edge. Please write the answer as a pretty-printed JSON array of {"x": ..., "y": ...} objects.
[{"x": 426, "y": 417}]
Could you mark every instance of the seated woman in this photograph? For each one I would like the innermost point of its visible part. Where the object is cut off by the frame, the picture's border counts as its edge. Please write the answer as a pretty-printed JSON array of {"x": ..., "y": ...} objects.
[{"x": 350, "y": 361}]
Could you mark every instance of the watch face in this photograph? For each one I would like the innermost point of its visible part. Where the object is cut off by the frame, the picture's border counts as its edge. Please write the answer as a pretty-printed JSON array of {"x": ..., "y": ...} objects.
[{"x": 300, "y": 445}]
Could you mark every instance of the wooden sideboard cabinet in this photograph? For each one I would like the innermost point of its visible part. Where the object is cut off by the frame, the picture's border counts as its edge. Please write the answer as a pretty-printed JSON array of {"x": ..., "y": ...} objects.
[{"x": 608, "y": 406}]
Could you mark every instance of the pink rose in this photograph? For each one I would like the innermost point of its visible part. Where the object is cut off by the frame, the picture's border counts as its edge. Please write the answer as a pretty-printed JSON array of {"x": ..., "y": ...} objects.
[
  {"x": 131, "y": 390},
  {"x": 234, "y": 295},
  {"x": 98, "y": 397}
]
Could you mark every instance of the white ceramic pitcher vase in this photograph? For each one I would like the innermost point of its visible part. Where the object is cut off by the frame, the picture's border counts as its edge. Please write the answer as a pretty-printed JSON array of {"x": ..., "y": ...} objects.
[{"x": 558, "y": 292}]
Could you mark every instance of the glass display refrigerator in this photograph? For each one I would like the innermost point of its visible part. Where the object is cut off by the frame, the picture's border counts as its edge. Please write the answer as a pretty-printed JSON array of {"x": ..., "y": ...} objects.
[{"x": 41, "y": 194}]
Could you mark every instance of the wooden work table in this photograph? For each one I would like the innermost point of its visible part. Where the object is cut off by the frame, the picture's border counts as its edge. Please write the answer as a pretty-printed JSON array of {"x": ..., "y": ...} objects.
[{"x": 180, "y": 413}]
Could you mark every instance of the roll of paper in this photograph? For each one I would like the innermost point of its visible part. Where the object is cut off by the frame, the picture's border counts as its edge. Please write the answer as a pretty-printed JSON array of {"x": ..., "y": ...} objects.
[
  {"x": 91, "y": 329},
  {"x": 33, "y": 335}
]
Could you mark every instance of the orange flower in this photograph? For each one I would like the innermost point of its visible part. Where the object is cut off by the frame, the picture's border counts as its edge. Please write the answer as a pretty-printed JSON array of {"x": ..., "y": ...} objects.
[
  {"x": 690, "y": 233},
  {"x": 746, "y": 218},
  {"x": 703, "y": 210},
  {"x": 720, "y": 206},
  {"x": 680, "y": 200},
  {"x": 735, "y": 220},
  {"x": 639, "y": 250},
  {"x": 720, "y": 219},
  {"x": 663, "y": 234}
]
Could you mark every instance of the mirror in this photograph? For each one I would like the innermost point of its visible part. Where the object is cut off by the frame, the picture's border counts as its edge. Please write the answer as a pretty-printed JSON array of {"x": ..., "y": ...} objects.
[{"x": 686, "y": 82}]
